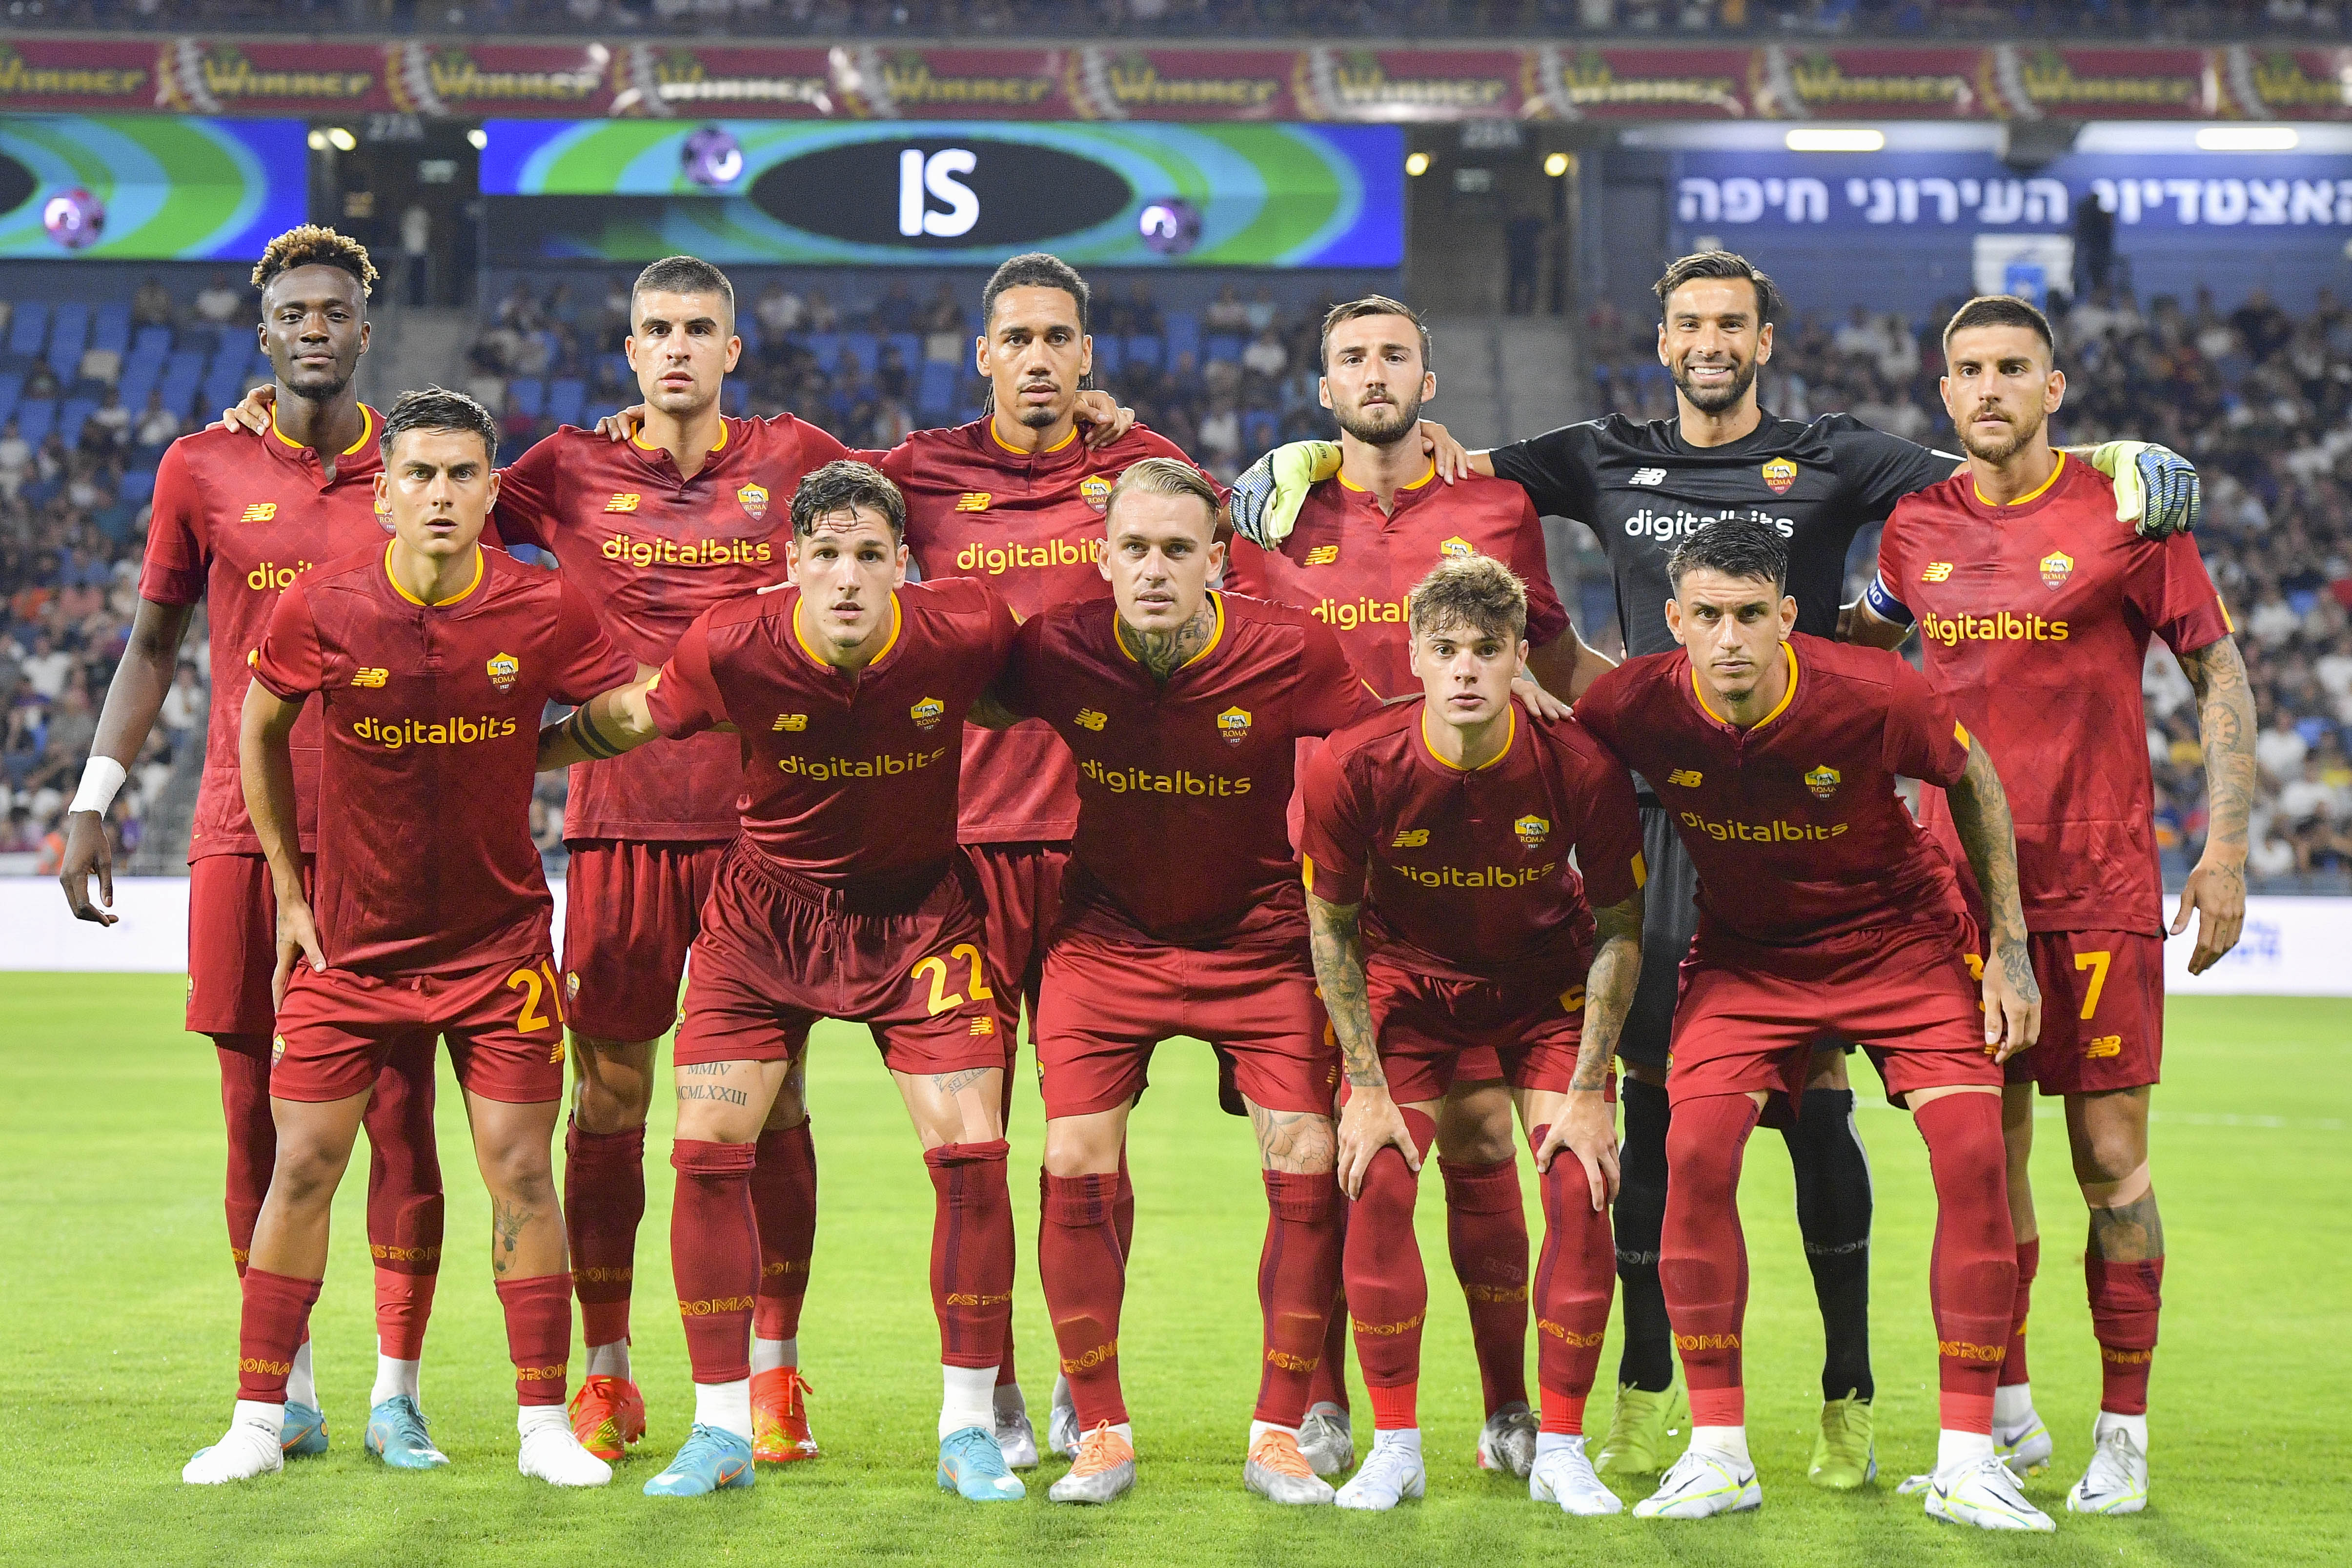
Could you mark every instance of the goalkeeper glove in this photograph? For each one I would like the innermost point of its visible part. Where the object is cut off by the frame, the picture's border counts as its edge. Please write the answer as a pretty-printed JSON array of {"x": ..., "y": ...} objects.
[
  {"x": 1267, "y": 498},
  {"x": 2157, "y": 489}
]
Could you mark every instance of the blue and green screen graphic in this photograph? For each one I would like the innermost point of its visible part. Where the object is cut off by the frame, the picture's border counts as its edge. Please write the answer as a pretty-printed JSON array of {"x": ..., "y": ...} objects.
[{"x": 148, "y": 187}]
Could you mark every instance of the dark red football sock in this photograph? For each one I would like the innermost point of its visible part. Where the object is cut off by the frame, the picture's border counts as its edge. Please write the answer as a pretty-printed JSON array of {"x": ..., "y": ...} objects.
[
  {"x": 252, "y": 1137},
  {"x": 538, "y": 1335},
  {"x": 971, "y": 1250},
  {"x": 1575, "y": 1276},
  {"x": 1387, "y": 1291},
  {"x": 403, "y": 1199},
  {"x": 1297, "y": 1280},
  {"x": 1084, "y": 1270},
  {"x": 1122, "y": 1209},
  {"x": 2029, "y": 1264},
  {"x": 1972, "y": 1272},
  {"x": 1486, "y": 1234},
  {"x": 1702, "y": 1254},
  {"x": 2125, "y": 1298},
  {"x": 784, "y": 1205},
  {"x": 604, "y": 1202},
  {"x": 1330, "y": 1384},
  {"x": 714, "y": 1255},
  {"x": 275, "y": 1320}
]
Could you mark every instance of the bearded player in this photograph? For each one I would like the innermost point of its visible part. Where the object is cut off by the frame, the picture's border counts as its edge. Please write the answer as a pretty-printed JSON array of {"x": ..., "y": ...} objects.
[
  {"x": 430, "y": 660},
  {"x": 1183, "y": 707},
  {"x": 2037, "y": 618},
  {"x": 1446, "y": 915},
  {"x": 844, "y": 897},
  {"x": 1823, "y": 910},
  {"x": 1363, "y": 537},
  {"x": 236, "y": 522}
]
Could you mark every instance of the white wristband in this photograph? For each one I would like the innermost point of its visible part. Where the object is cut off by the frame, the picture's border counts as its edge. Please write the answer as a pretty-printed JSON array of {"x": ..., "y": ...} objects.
[{"x": 101, "y": 777}]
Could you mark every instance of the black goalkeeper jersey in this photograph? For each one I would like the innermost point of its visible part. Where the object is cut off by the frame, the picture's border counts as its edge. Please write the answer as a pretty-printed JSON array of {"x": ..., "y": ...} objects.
[{"x": 1642, "y": 489}]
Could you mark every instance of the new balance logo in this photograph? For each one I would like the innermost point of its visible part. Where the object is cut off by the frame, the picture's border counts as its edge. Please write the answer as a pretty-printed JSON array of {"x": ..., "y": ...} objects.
[
  {"x": 1322, "y": 555},
  {"x": 623, "y": 500},
  {"x": 1936, "y": 572},
  {"x": 973, "y": 501},
  {"x": 259, "y": 512},
  {"x": 790, "y": 721},
  {"x": 1684, "y": 778},
  {"x": 983, "y": 1026},
  {"x": 2105, "y": 1045},
  {"x": 1091, "y": 719},
  {"x": 1410, "y": 838},
  {"x": 1648, "y": 477},
  {"x": 370, "y": 675}
]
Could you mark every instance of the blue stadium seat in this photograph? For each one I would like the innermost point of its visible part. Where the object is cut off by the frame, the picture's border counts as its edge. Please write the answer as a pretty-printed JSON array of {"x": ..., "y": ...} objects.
[
  {"x": 153, "y": 343},
  {"x": 138, "y": 484},
  {"x": 110, "y": 328},
  {"x": 29, "y": 328},
  {"x": 565, "y": 397},
  {"x": 1143, "y": 349},
  {"x": 70, "y": 419},
  {"x": 1262, "y": 429},
  {"x": 136, "y": 384},
  {"x": 1224, "y": 346},
  {"x": 527, "y": 396},
  {"x": 735, "y": 399},
  {"x": 184, "y": 364},
  {"x": 618, "y": 366},
  {"x": 35, "y": 415},
  {"x": 748, "y": 329},
  {"x": 179, "y": 393},
  {"x": 12, "y": 387},
  {"x": 864, "y": 345},
  {"x": 1110, "y": 355},
  {"x": 1184, "y": 330},
  {"x": 826, "y": 347},
  {"x": 909, "y": 347},
  {"x": 935, "y": 391}
]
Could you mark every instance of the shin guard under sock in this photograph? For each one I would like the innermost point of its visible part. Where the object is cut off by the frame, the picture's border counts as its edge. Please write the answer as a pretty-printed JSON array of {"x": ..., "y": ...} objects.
[
  {"x": 714, "y": 1255},
  {"x": 1297, "y": 1280},
  {"x": 2126, "y": 1300},
  {"x": 604, "y": 1202},
  {"x": 404, "y": 1207},
  {"x": 1646, "y": 1360},
  {"x": 1387, "y": 1291},
  {"x": 2029, "y": 1264},
  {"x": 538, "y": 1335},
  {"x": 1487, "y": 1236},
  {"x": 273, "y": 1323},
  {"x": 1573, "y": 1280},
  {"x": 1972, "y": 1273},
  {"x": 1084, "y": 1271},
  {"x": 1703, "y": 1256},
  {"x": 252, "y": 1137},
  {"x": 1834, "y": 1209},
  {"x": 784, "y": 1207},
  {"x": 971, "y": 1252}
]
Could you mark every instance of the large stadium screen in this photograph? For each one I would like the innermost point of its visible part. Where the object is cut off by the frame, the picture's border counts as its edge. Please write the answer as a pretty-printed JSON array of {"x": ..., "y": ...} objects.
[
  {"x": 148, "y": 188},
  {"x": 928, "y": 193}
]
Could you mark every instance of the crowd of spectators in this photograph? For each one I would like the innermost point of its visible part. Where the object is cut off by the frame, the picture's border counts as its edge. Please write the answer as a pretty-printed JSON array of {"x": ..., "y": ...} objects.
[
  {"x": 2262, "y": 401},
  {"x": 830, "y": 20}
]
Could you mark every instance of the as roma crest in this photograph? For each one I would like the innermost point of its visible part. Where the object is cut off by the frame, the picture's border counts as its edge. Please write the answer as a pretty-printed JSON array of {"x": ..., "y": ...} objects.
[
  {"x": 503, "y": 669},
  {"x": 753, "y": 498},
  {"x": 927, "y": 713},
  {"x": 1779, "y": 475},
  {"x": 1234, "y": 725},
  {"x": 1095, "y": 490},
  {"x": 1823, "y": 781},
  {"x": 2056, "y": 567},
  {"x": 1532, "y": 831}
]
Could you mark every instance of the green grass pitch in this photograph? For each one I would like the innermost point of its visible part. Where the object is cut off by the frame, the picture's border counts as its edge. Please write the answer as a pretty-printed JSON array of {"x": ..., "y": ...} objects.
[{"x": 120, "y": 1315}]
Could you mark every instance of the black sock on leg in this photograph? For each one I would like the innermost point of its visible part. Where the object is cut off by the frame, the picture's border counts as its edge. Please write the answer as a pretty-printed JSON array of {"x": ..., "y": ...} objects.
[
  {"x": 1834, "y": 1207},
  {"x": 1647, "y": 1359}
]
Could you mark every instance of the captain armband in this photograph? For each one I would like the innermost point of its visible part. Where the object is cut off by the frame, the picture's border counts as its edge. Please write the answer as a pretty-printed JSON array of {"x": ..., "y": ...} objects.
[{"x": 1886, "y": 605}]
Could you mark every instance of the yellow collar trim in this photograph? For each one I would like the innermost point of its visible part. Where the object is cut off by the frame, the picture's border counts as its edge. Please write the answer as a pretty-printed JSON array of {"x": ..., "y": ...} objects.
[
  {"x": 1041, "y": 451},
  {"x": 1510, "y": 737},
  {"x": 2036, "y": 494},
  {"x": 639, "y": 441},
  {"x": 367, "y": 429},
  {"x": 1348, "y": 484},
  {"x": 1217, "y": 634},
  {"x": 800, "y": 637},
  {"x": 432, "y": 603},
  {"x": 1777, "y": 708}
]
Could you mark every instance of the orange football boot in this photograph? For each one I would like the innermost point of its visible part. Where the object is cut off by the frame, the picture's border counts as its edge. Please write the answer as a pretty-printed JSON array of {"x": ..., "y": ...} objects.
[
  {"x": 608, "y": 1414},
  {"x": 780, "y": 1427}
]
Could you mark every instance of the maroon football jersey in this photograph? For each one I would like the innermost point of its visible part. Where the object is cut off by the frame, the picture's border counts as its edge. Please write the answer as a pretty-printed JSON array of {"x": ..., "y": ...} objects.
[
  {"x": 1793, "y": 824},
  {"x": 1030, "y": 526},
  {"x": 1463, "y": 873},
  {"x": 848, "y": 780},
  {"x": 431, "y": 717},
  {"x": 1352, "y": 565},
  {"x": 236, "y": 519},
  {"x": 2034, "y": 620},
  {"x": 654, "y": 550},
  {"x": 1185, "y": 787}
]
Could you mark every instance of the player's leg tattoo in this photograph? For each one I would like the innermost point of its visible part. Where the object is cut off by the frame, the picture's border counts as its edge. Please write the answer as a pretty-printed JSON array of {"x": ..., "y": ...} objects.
[
  {"x": 1299, "y": 1141},
  {"x": 512, "y": 1146}
]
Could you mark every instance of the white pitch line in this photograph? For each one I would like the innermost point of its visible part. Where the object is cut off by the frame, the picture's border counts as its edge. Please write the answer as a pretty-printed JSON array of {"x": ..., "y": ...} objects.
[{"x": 2180, "y": 1118}]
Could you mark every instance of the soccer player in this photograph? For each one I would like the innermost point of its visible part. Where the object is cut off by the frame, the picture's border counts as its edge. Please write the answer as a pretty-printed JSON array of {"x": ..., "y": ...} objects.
[
  {"x": 844, "y": 897},
  {"x": 1182, "y": 707},
  {"x": 1825, "y": 910},
  {"x": 1363, "y": 537},
  {"x": 1446, "y": 915},
  {"x": 234, "y": 522},
  {"x": 431, "y": 659},
  {"x": 2036, "y": 617},
  {"x": 1640, "y": 488}
]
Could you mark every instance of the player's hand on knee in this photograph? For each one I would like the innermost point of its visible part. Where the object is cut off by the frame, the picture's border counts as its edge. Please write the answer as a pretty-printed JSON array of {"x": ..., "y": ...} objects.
[
  {"x": 2216, "y": 892},
  {"x": 2012, "y": 1001},
  {"x": 1105, "y": 418},
  {"x": 88, "y": 851},
  {"x": 1370, "y": 1122},
  {"x": 1450, "y": 457},
  {"x": 623, "y": 425},
  {"x": 1587, "y": 1128}
]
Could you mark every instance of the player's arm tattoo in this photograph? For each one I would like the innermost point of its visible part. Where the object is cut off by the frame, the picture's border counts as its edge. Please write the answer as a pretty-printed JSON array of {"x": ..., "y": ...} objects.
[
  {"x": 992, "y": 714},
  {"x": 1165, "y": 653},
  {"x": 507, "y": 1223},
  {"x": 2128, "y": 1233},
  {"x": 2225, "y": 728},
  {"x": 603, "y": 727},
  {"x": 1609, "y": 990},
  {"x": 1338, "y": 949},
  {"x": 1987, "y": 831}
]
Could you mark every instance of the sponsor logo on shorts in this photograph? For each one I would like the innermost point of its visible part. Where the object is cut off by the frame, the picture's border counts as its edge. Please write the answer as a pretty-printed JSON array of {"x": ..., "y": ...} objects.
[
  {"x": 1502, "y": 1293},
  {"x": 1685, "y": 778},
  {"x": 753, "y": 499},
  {"x": 277, "y": 1046},
  {"x": 1322, "y": 555},
  {"x": 1532, "y": 830},
  {"x": 983, "y": 1026},
  {"x": 632, "y": 550},
  {"x": 392, "y": 734},
  {"x": 1823, "y": 781},
  {"x": 1289, "y": 1363},
  {"x": 792, "y": 722},
  {"x": 383, "y": 1254},
  {"x": 1410, "y": 838},
  {"x": 1936, "y": 572},
  {"x": 1347, "y": 615},
  {"x": 2105, "y": 1045},
  {"x": 713, "y": 1306},
  {"x": 623, "y": 500},
  {"x": 1387, "y": 1330},
  {"x": 370, "y": 675},
  {"x": 926, "y": 713},
  {"x": 1234, "y": 725},
  {"x": 2056, "y": 567},
  {"x": 555, "y": 1374},
  {"x": 1184, "y": 781},
  {"x": 1456, "y": 549},
  {"x": 784, "y": 1266},
  {"x": 267, "y": 1368},
  {"x": 1781, "y": 832},
  {"x": 882, "y": 764},
  {"x": 1961, "y": 1349},
  {"x": 975, "y": 1298},
  {"x": 503, "y": 668},
  {"x": 1706, "y": 1342},
  {"x": 1095, "y": 490},
  {"x": 600, "y": 1274},
  {"x": 571, "y": 985},
  {"x": 1475, "y": 877},
  {"x": 1097, "y": 1355},
  {"x": 995, "y": 560},
  {"x": 259, "y": 512},
  {"x": 1779, "y": 475},
  {"x": 1566, "y": 1335},
  {"x": 1091, "y": 719},
  {"x": 972, "y": 500},
  {"x": 270, "y": 577}
]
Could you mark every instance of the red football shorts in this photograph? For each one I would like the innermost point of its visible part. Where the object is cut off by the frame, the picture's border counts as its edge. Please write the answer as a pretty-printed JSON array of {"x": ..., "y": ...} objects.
[
  {"x": 232, "y": 945},
  {"x": 1430, "y": 1030},
  {"x": 778, "y": 951},
  {"x": 1021, "y": 885},
  {"x": 1750, "y": 1015},
  {"x": 2102, "y": 1012},
  {"x": 504, "y": 1023},
  {"x": 631, "y": 910},
  {"x": 1107, "y": 1003}
]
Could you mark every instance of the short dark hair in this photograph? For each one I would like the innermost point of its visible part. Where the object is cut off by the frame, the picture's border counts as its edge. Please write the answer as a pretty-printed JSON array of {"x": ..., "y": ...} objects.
[
  {"x": 1474, "y": 591},
  {"x": 1720, "y": 264},
  {"x": 438, "y": 408},
  {"x": 2002, "y": 310},
  {"x": 1162, "y": 477},
  {"x": 1036, "y": 269},
  {"x": 684, "y": 274},
  {"x": 846, "y": 484},
  {"x": 1737, "y": 547},
  {"x": 309, "y": 245},
  {"x": 1370, "y": 305}
]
